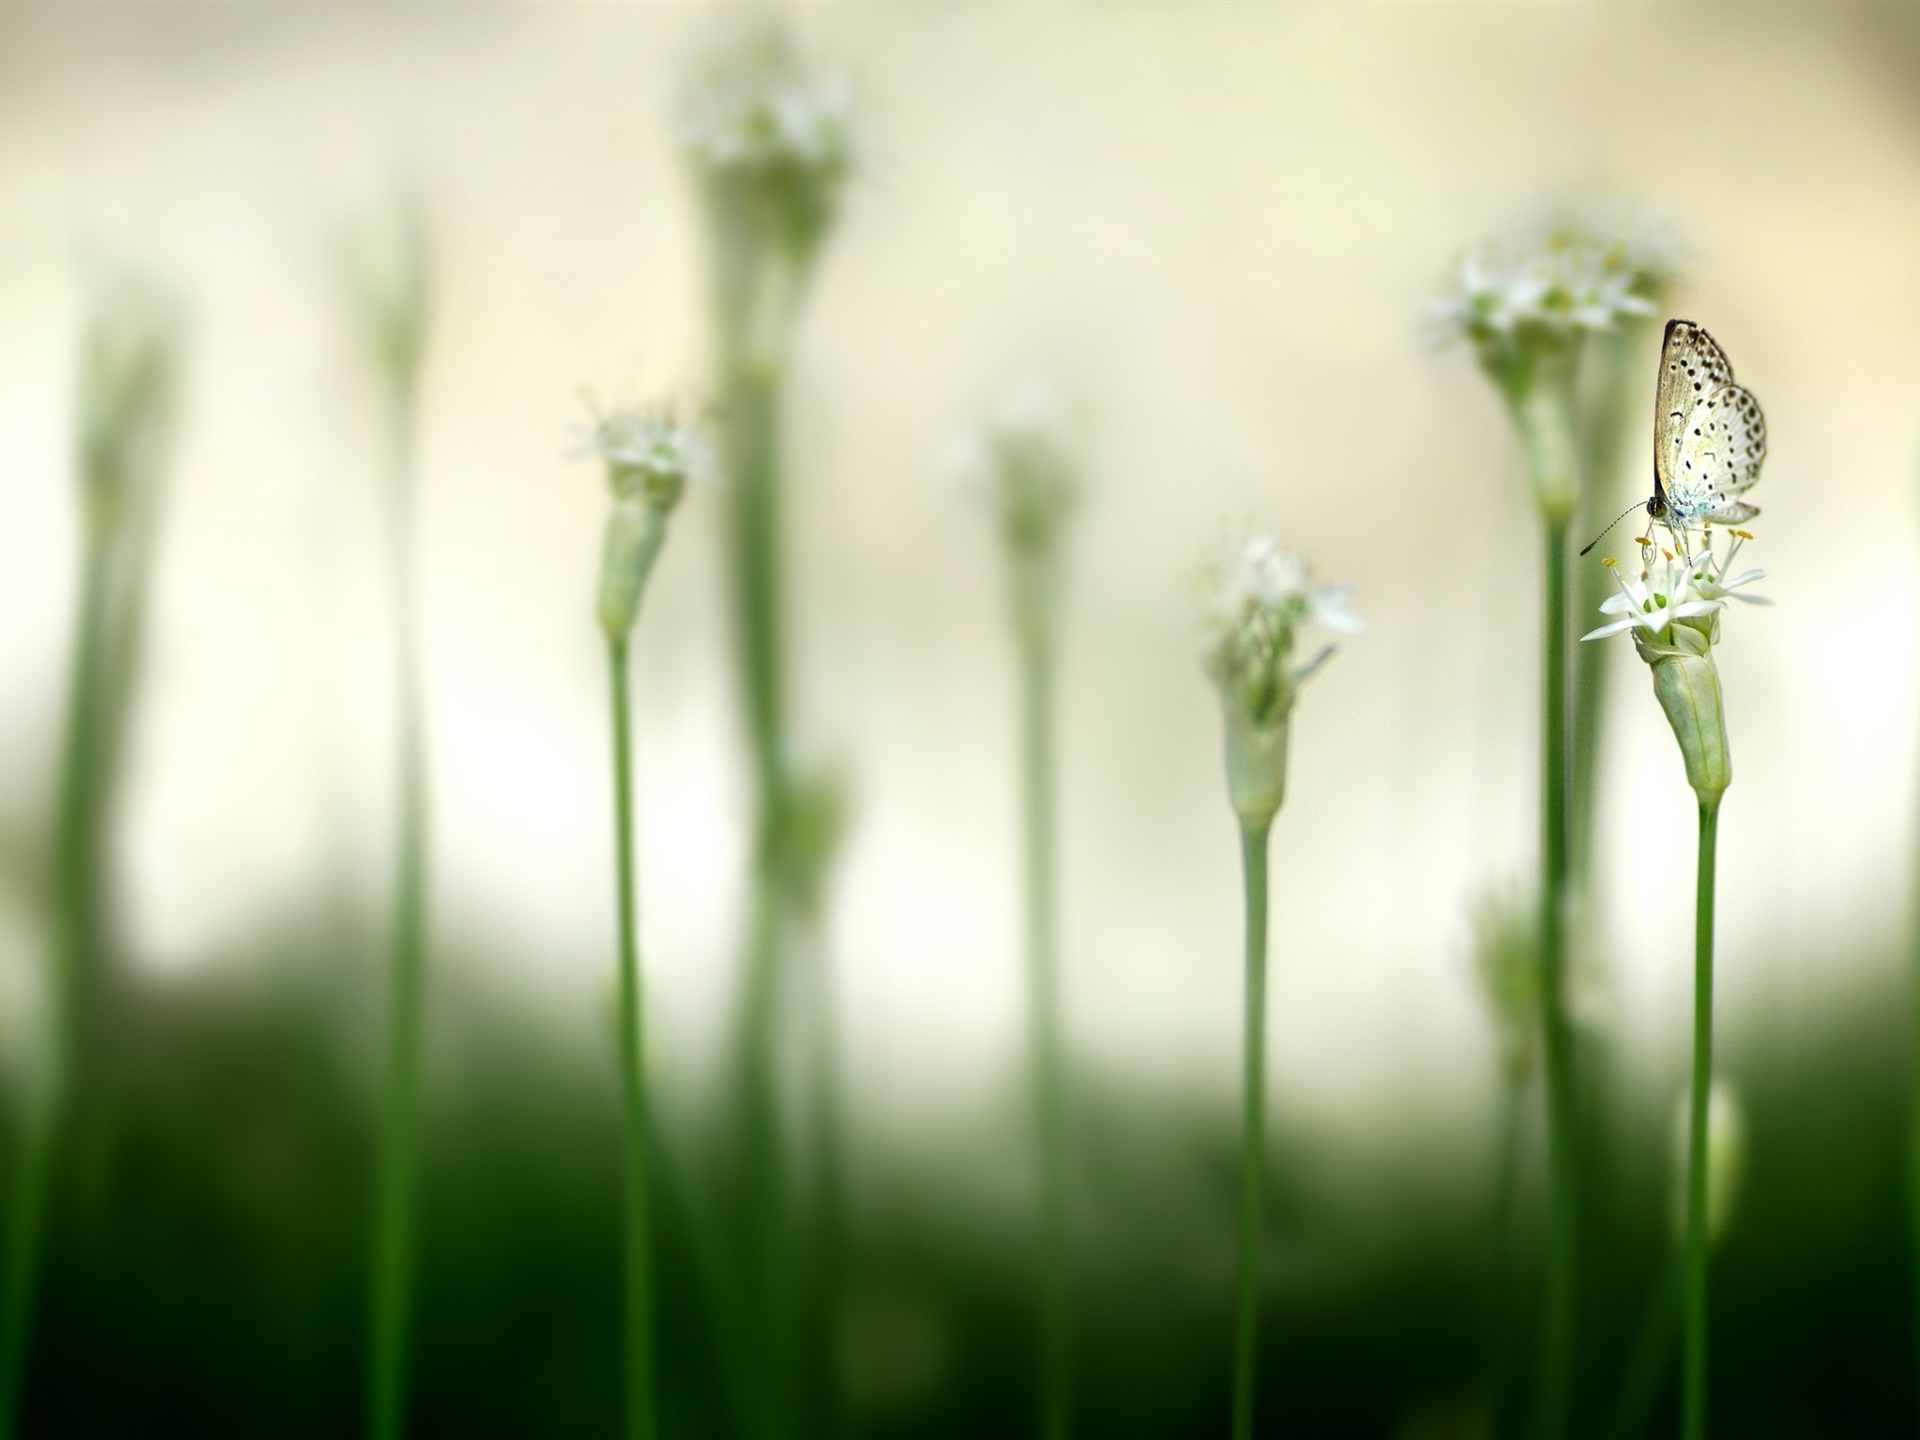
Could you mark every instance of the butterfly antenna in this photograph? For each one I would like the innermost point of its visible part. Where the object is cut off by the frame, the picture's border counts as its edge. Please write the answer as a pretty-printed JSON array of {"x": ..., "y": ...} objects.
[{"x": 1610, "y": 524}]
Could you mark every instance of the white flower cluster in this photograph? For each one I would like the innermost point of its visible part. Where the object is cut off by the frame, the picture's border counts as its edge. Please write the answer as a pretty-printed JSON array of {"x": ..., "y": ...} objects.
[
  {"x": 650, "y": 455},
  {"x": 1674, "y": 602},
  {"x": 1513, "y": 300},
  {"x": 1021, "y": 462},
  {"x": 754, "y": 111},
  {"x": 1257, "y": 598}
]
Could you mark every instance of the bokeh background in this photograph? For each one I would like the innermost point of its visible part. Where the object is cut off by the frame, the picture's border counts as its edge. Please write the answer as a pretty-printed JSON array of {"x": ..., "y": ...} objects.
[{"x": 1214, "y": 228}]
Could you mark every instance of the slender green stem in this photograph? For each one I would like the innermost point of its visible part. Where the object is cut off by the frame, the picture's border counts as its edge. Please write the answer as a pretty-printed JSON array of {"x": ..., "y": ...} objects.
[
  {"x": 392, "y": 1279},
  {"x": 1563, "y": 1243},
  {"x": 830, "y": 1219},
  {"x": 1694, "y": 1402},
  {"x": 1253, "y": 1147},
  {"x": 1049, "y": 1084},
  {"x": 1502, "y": 1341},
  {"x": 75, "y": 995},
  {"x": 633, "y": 1100},
  {"x": 1652, "y": 1357},
  {"x": 751, "y": 423}
]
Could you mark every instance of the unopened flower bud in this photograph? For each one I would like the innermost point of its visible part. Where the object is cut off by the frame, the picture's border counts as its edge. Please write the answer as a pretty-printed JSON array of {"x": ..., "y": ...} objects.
[
  {"x": 1688, "y": 687},
  {"x": 1726, "y": 1159}
]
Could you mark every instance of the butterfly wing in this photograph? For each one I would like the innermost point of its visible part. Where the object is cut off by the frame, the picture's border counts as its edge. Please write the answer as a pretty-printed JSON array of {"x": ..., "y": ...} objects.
[
  {"x": 1717, "y": 455},
  {"x": 1692, "y": 368}
]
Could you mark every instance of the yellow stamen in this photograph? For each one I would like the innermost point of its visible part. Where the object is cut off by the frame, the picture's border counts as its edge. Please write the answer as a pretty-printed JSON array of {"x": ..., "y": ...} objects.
[
  {"x": 1744, "y": 535},
  {"x": 1611, "y": 563}
]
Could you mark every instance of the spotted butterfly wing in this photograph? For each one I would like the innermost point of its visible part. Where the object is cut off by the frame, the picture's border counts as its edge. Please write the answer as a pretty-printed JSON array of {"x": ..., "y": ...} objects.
[{"x": 1709, "y": 436}]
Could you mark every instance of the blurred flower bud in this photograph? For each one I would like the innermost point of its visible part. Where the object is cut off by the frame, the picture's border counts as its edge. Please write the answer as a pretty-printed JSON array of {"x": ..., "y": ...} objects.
[
  {"x": 1506, "y": 952},
  {"x": 815, "y": 820},
  {"x": 129, "y": 360},
  {"x": 1022, "y": 463},
  {"x": 1726, "y": 1159},
  {"x": 387, "y": 267}
]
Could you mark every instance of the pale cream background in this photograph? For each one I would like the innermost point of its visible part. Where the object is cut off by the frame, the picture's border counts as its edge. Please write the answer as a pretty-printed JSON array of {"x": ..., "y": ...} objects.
[{"x": 1215, "y": 226}]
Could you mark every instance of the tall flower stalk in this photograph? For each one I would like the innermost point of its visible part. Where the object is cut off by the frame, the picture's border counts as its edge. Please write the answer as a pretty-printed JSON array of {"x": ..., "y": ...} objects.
[
  {"x": 1507, "y": 962},
  {"x": 1672, "y": 609},
  {"x": 771, "y": 147},
  {"x": 129, "y": 373},
  {"x": 1258, "y": 600},
  {"x": 388, "y": 271},
  {"x": 649, "y": 460},
  {"x": 1027, "y": 474},
  {"x": 1527, "y": 312}
]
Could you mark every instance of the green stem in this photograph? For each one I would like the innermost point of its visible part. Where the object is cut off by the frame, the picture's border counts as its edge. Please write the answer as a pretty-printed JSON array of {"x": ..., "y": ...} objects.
[
  {"x": 1563, "y": 1245},
  {"x": 1501, "y": 1343},
  {"x": 1652, "y": 1356},
  {"x": 1694, "y": 1403},
  {"x": 76, "y": 993},
  {"x": 830, "y": 1233},
  {"x": 1253, "y": 1152},
  {"x": 1049, "y": 1087},
  {"x": 633, "y": 1102},
  {"x": 392, "y": 1280},
  {"x": 751, "y": 430}
]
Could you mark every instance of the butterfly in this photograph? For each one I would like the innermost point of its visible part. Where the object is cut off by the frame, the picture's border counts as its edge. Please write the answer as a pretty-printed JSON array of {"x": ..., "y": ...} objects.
[{"x": 1709, "y": 437}]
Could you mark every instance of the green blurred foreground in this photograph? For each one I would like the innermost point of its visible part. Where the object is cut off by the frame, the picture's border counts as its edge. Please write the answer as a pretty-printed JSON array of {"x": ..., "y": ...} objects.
[{"x": 209, "y": 1279}]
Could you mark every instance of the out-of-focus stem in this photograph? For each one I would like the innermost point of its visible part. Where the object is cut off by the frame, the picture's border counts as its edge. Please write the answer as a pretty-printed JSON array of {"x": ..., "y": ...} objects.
[
  {"x": 1652, "y": 1356},
  {"x": 1049, "y": 1083},
  {"x": 639, "y": 1372},
  {"x": 392, "y": 1279},
  {"x": 1694, "y": 1399},
  {"x": 751, "y": 420},
  {"x": 76, "y": 997},
  {"x": 1503, "y": 1340},
  {"x": 1253, "y": 1105},
  {"x": 1563, "y": 1245}
]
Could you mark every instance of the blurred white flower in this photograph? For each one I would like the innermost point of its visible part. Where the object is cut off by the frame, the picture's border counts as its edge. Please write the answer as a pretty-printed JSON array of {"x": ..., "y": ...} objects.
[
  {"x": 651, "y": 455},
  {"x": 1257, "y": 598},
  {"x": 755, "y": 111},
  {"x": 1022, "y": 463}
]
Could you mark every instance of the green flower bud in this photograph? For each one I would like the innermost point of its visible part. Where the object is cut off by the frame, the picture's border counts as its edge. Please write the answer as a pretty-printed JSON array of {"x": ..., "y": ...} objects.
[
  {"x": 635, "y": 532},
  {"x": 1726, "y": 1159},
  {"x": 1688, "y": 688},
  {"x": 1256, "y": 764}
]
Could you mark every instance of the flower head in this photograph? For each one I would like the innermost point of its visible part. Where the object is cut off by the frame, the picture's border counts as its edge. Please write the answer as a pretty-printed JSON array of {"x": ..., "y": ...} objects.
[
  {"x": 1672, "y": 609},
  {"x": 650, "y": 455},
  {"x": 1522, "y": 304},
  {"x": 1257, "y": 599},
  {"x": 756, "y": 120},
  {"x": 1684, "y": 590},
  {"x": 1023, "y": 463}
]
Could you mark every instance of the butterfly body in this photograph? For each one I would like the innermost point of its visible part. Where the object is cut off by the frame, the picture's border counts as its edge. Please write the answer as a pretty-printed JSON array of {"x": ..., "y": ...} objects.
[{"x": 1709, "y": 435}]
